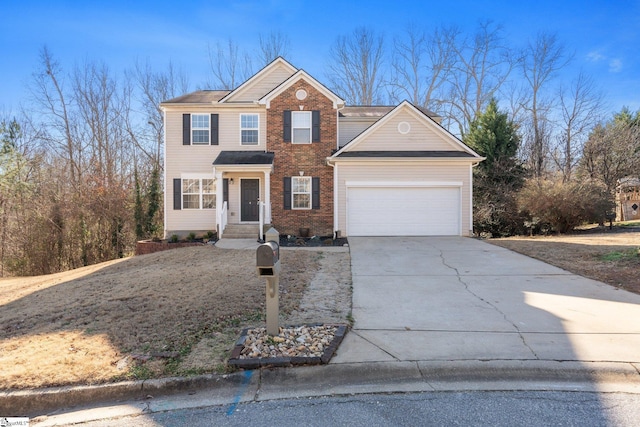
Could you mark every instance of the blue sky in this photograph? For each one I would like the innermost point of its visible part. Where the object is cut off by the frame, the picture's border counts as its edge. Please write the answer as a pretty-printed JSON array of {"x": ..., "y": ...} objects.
[{"x": 605, "y": 36}]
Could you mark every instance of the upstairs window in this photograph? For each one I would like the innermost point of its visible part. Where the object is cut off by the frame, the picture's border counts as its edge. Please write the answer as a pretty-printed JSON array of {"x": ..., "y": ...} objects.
[
  {"x": 301, "y": 127},
  {"x": 200, "y": 129},
  {"x": 249, "y": 125}
]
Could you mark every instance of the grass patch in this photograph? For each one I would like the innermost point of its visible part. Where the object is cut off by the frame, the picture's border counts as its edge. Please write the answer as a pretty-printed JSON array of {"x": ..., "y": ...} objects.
[{"x": 619, "y": 255}]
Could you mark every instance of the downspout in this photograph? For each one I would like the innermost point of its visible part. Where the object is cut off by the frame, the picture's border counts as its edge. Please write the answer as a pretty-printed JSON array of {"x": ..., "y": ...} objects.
[
  {"x": 335, "y": 175},
  {"x": 164, "y": 165},
  {"x": 473, "y": 165}
]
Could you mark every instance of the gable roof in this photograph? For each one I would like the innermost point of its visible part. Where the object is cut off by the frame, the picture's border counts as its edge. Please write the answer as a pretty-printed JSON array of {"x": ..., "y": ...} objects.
[
  {"x": 277, "y": 64},
  {"x": 456, "y": 144},
  {"x": 301, "y": 75}
]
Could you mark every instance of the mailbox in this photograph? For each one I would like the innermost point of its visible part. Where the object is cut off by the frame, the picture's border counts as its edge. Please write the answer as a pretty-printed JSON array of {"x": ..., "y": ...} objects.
[{"x": 268, "y": 259}]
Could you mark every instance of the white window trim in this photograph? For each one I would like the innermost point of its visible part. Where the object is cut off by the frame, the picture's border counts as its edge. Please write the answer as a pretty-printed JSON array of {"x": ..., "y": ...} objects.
[
  {"x": 194, "y": 128},
  {"x": 184, "y": 193},
  {"x": 310, "y": 192},
  {"x": 257, "y": 128},
  {"x": 201, "y": 192},
  {"x": 293, "y": 133}
]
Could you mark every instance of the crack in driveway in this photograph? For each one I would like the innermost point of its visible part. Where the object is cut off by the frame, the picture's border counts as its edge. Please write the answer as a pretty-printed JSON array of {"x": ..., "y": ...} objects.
[{"x": 493, "y": 306}]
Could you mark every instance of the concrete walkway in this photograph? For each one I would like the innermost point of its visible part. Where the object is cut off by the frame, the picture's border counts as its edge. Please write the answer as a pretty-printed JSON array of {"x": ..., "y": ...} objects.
[{"x": 461, "y": 299}]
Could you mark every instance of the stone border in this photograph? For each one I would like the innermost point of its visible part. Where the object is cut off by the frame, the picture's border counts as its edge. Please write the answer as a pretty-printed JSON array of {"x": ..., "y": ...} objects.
[
  {"x": 144, "y": 247},
  {"x": 261, "y": 362}
]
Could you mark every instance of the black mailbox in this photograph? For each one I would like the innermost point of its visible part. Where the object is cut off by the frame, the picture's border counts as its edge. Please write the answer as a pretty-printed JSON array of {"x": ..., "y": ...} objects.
[{"x": 268, "y": 259}]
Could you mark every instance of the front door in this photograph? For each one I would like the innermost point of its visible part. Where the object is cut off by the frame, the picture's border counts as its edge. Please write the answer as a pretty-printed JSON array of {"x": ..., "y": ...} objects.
[{"x": 249, "y": 195}]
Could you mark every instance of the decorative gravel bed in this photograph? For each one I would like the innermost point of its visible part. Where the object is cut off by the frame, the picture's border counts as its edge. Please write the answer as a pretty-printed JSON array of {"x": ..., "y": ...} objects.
[{"x": 301, "y": 345}]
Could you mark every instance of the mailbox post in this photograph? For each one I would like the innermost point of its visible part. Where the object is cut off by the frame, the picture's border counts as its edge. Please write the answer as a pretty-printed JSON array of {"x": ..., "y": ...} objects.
[{"x": 268, "y": 265}]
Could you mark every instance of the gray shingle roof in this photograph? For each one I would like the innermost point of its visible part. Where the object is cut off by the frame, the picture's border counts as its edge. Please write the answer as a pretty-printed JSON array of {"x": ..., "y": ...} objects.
[
  {"x": 376, "y": 111},
  {"x": 244, "y": 158},
  {"x": 199, "y": 97}
]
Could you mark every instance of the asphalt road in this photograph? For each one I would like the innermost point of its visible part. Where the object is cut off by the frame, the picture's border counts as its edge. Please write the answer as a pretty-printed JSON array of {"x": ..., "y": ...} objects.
[{"x": 469, "y": 408}]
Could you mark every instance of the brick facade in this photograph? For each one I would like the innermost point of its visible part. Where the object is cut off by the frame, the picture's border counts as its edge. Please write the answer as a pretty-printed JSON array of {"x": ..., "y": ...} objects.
[{"x": 290, "y": 159}]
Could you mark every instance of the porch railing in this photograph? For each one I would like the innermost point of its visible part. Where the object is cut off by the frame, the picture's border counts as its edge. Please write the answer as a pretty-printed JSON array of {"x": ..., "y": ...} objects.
[
  {"x": 265, "y": 217},
  {"x": 222, "y": 220}
]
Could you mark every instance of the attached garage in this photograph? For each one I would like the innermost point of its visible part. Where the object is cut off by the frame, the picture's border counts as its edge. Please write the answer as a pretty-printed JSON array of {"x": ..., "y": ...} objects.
[
  {"x": 404, "y": 209},
  {"x": 405, "y": 175}
]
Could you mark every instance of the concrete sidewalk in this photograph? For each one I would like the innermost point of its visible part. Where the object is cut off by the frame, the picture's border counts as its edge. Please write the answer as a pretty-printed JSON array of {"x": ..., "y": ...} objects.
[{"x": 461, "y": 299}]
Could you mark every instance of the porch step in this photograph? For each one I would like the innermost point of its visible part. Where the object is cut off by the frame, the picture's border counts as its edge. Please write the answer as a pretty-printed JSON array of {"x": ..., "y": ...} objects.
[{"x": 241, "y": 231}]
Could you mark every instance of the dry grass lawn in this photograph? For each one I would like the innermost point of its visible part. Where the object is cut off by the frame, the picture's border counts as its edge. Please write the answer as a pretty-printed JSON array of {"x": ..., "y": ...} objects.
[
  {"x": 179, "y": 312},
  {"x": 176, "y": 312},
  {"x": 610, "y": 256}
]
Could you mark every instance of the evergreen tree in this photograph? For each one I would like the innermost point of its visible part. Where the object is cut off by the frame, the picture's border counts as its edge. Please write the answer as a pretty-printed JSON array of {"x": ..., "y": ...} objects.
[
  {"x": 138, "y": 209},
  {"x": 151, "y": 224},
  {"x": 498, "y": 179}
]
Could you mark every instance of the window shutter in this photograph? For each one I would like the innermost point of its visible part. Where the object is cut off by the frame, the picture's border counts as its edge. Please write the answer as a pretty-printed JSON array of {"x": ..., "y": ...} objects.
[
  {"x": 214, "y": 129},
  {"x": 315, "y": 126},
  {"x": 186, "y": 129},
  {"x": 315, "y": 193},
  {"x": 287, "y": 192},
  {"x": 177, "y": 193},
  {"x": 287, "y": 126}
]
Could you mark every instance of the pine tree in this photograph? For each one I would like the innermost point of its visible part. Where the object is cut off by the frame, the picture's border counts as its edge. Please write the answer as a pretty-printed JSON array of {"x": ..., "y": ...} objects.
[{"x": 498, "y": 179}]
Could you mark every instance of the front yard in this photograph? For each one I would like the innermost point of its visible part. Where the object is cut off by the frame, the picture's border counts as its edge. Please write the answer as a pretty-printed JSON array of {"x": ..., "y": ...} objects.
[
  {"x": 610, "y": 256},
  {"x": 176, "y": 312}
]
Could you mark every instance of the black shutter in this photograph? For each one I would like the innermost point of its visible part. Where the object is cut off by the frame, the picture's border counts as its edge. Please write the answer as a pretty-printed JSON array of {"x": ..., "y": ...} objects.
[
  {"x": 315, "y": 126},
  {"x": 287, "y": 193},
  {"x": 286, "y": 126},
  {"x": 225, "y": 191},
  {"x": 186, "y": 129},
  {"x": 214, "y": 129},
  {"x": 177, "y": 193},
  {"x": 315, "y": 193}
]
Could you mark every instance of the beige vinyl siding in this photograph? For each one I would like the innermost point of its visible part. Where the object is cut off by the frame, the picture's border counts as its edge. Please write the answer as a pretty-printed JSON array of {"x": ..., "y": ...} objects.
[
  {"x": 198, "y": 159},
  {"x": 350, "y": 128},
  {"x": 390, "y": 171},
  {"x": 420, "y": 137},
  {"x": 261, "y": 86}
]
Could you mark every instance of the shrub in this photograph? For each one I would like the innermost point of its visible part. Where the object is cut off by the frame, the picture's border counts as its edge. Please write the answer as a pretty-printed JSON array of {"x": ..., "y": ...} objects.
[
  {"x": 564, "y": 205},
  {"x": 174, "y": 238}
]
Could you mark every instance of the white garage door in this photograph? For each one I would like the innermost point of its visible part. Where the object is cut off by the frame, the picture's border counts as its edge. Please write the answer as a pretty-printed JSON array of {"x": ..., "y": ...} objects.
[{"x": 403, "y": 211}]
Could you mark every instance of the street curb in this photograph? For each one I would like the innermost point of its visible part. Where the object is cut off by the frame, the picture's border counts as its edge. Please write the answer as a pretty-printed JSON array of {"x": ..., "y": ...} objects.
[
  {"x": 349, "y": 378},
  {"x": 37, "y": 402}
]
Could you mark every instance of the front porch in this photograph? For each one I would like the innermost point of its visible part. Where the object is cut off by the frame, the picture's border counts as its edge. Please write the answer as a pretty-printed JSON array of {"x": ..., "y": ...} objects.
[{"x": 245, "y": 200}]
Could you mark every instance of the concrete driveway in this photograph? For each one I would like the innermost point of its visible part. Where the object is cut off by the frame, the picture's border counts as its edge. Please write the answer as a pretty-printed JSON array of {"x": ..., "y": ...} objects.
[{"x": 456, "y": 298}]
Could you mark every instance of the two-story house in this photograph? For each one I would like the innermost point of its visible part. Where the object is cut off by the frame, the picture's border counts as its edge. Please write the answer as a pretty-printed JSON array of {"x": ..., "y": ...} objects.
[{"x": 284, "y": 150}]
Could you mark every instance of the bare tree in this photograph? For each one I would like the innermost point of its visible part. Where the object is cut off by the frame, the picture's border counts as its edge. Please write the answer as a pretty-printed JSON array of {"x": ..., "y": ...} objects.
[
  {"x": 482, "y": 65},
  {"x": 229, "y": 66},
  {"x": 542, "y": 59},
  {"x": 355, "y": 70},
  {"x": 273, "y": 45},
  {"x": 420, "y": 65},
  {"x": 151, "y": 89},
  {"x": 580, "y": 106},
  {"x": 49, "y": 93},
  {"x": 612, "y": 150}
]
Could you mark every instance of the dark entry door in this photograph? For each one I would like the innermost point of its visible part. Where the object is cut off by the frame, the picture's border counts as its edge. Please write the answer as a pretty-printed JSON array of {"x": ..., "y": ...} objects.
[{"x": 249, "y": 194}]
